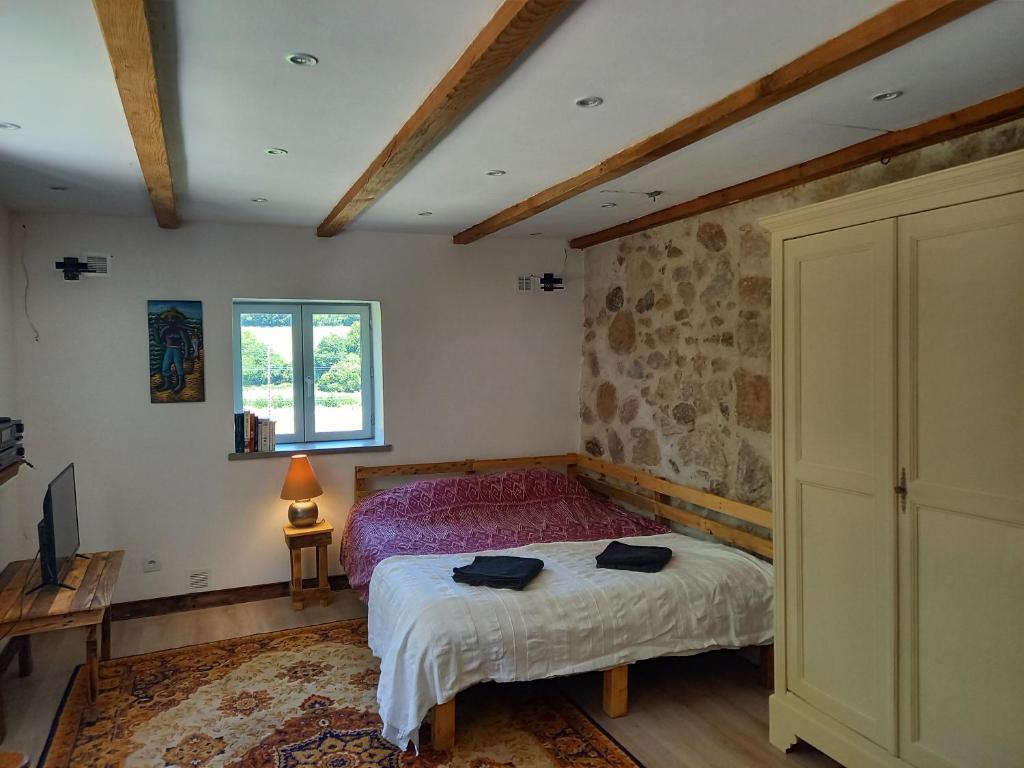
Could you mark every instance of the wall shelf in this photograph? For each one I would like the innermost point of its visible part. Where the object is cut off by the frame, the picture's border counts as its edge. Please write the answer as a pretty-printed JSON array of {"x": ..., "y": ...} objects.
[{"x": 9, "y": 472}]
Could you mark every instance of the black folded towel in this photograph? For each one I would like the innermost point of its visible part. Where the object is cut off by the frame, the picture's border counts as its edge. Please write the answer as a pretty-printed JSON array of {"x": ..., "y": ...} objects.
[
  {"x": 501, "y": 571},
  {"x": 629, "y": 557}
]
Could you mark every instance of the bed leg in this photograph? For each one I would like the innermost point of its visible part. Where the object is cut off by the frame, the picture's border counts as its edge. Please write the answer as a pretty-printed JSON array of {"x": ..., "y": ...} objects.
[
  {"x": 616, "y": 691},
  {"x": 767, "y": 668},
  {"x": 442, "y": 729}
]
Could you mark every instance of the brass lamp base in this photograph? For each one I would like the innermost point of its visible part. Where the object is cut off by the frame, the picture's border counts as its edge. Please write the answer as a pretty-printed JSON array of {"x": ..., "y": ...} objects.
[{"x": 303, "y": 514}]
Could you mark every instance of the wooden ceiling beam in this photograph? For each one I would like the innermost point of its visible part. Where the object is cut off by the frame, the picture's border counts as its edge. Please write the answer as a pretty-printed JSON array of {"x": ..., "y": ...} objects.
[
  {"x": 499, "y": 44},
  {"x": 895, "y": 26},
  {"x": 1001, "y": 109},
  {"x": 125, "y": 28}
]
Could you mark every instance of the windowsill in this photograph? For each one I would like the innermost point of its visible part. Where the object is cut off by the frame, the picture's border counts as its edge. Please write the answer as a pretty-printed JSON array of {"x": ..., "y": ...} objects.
[{"x": 285, "y": 450}]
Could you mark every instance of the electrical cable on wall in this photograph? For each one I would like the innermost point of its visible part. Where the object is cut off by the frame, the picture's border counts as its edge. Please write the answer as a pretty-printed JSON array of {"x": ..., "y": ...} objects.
[{"x": 24, "y": 268}]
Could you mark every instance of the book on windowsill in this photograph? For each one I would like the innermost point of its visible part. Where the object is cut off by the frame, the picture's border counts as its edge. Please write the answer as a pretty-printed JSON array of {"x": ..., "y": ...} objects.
[
  {"x": 239, "y": 433},
  {"x": 253, "y": 434}
]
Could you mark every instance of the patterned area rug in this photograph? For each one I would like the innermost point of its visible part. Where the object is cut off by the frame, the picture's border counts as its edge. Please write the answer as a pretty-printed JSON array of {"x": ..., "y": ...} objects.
[{"x": 302, "y": 698}]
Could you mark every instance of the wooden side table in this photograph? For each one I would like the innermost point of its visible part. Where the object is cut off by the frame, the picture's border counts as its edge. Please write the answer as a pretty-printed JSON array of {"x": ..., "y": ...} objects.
[{"x": 320, "y": 536}]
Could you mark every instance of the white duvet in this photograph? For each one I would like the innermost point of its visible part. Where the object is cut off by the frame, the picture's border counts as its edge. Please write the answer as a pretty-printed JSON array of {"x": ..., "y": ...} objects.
[{"x": 435, "y": 637}]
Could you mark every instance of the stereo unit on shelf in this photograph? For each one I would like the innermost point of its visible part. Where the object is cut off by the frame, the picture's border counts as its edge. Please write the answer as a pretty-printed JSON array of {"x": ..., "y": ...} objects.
[
  {"x": 11, "y": 432},
  {"x": 11, "y": 456},
  {"x": 11, "y": 449}
]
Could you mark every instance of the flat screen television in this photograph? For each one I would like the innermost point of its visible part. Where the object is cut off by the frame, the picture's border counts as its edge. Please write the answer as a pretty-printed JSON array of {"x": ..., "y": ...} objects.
[{"x": 58, "y": 530}]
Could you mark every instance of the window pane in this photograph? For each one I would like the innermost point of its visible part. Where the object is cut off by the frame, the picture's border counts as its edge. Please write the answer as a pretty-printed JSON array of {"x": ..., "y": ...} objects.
[
  {"x": 267, "y": 368},
  {"x": 337, "y": 373}
]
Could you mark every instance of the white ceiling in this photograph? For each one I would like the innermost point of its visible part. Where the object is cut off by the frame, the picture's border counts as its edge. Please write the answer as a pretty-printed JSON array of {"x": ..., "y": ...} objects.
[
  {"x": 57, "y": 84},
  {"x": 229, "y": 94},
  {"x": 968, "y": 61}
]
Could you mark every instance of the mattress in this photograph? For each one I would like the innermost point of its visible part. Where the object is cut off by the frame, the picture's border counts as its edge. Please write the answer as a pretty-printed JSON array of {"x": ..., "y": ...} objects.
[
  {"x": 435, "y": 637},
  {"x": 472, "y": 513}
]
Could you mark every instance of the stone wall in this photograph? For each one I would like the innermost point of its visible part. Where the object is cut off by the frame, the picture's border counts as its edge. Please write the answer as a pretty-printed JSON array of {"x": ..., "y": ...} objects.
[{"x": 677, "y": 342}]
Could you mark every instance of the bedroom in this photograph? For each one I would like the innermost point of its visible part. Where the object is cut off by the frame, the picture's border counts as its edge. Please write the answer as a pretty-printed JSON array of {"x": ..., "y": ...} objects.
[{"x": 682, "y": 174}]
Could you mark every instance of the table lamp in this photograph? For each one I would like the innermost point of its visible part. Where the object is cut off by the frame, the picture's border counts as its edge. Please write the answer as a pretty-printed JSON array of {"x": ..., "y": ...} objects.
[{"x": 300, "y": 486}]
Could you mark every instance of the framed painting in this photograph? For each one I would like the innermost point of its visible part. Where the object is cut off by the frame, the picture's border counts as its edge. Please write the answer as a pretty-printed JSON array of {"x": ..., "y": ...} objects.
[{"x": 176, "y": 352}]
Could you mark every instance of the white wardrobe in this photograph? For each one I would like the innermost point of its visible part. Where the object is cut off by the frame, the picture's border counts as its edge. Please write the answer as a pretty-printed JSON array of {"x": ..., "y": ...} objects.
[{"x": 898, "y": 376}]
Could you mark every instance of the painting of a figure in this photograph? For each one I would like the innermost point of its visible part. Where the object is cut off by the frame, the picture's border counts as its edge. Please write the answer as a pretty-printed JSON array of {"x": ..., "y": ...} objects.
[{"x": 176, "y": 352}]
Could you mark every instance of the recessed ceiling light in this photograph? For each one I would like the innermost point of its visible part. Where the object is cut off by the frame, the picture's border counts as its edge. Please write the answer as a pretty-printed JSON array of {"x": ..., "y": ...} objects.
[
  {"x": 425, "y": 213},
  {"x": 608, "y": 205},
  {"x": 258, "y": 199},
  {"x": 276, "y": 151},
  {"x": 587, "y": 102},
  {"x": 887, "y": 95},
  {"x": 57, "y": 188},
  {"x": 9, "y": 127},
  {"x": 303, "y": 59},
  {"x": 496, "y": 172}
]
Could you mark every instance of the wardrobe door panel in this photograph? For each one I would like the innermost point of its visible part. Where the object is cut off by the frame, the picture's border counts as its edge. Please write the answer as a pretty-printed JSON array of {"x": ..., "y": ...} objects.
[
  {"x": 962, "y": 443},
  {"x": 839, "y": 368}
]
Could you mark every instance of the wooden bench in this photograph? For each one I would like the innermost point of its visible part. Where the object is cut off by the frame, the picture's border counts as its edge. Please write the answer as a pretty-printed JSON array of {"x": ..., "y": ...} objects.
[
  {"x": 18, "y": 646},
  {"x": 24, "y": 613}
]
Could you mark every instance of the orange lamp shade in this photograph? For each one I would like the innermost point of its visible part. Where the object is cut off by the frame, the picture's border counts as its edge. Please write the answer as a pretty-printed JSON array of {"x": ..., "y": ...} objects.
[{"x": 300, "y": 482}]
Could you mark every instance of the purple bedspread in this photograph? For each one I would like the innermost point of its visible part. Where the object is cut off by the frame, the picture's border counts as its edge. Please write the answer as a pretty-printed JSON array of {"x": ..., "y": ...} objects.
[{"x": 479, "y": 512}]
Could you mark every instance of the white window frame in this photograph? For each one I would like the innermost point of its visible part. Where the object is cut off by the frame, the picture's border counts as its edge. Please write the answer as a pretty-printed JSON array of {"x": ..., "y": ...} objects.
[
  {"x": 366, "y": 375},
  {"x": 304, "y": 429}
]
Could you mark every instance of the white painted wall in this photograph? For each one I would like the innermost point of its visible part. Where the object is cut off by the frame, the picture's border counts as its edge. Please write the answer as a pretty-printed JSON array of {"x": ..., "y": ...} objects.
[
  {"x": 13, "y": 543},
  {"x": 471, "y": 369}
]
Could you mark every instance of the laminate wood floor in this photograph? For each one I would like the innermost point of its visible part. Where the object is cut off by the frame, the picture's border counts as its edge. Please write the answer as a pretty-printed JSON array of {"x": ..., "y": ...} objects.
[{"x": 706, "y": 711}]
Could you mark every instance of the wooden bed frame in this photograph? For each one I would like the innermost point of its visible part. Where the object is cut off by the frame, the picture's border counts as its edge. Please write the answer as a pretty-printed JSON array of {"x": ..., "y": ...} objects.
[{"x": 631, "y": 486}]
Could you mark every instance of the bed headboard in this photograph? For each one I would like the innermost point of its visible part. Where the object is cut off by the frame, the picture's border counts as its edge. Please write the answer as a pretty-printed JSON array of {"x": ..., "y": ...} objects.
[{"x": 736, "y": 523}]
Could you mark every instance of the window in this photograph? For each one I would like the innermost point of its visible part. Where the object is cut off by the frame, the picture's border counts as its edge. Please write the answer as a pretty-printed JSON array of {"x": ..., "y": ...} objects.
[{"x": 308, "y": 366}]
